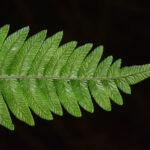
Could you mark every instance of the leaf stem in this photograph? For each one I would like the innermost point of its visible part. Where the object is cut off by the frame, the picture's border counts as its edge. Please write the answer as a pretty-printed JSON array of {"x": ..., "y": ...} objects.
[{"x": 70, "y": 78}]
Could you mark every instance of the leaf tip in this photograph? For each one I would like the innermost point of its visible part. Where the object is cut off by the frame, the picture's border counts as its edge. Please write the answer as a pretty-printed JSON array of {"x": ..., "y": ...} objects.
[
  {"x": 26, "y": 28},
  {"x": 10, "y": 127},
  {"x": 108, "y": 109},
  {"x": 60, "y": 33},
  {"x": 7, "y": 26}
]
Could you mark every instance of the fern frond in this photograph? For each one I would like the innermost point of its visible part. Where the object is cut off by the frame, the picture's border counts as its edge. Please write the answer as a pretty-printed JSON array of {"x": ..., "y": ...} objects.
[{"x": 40, "y": 75}]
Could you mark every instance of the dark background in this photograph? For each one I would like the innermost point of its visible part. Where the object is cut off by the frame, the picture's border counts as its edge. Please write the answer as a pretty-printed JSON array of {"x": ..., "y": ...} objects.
[{"x": 123, "y": 27}]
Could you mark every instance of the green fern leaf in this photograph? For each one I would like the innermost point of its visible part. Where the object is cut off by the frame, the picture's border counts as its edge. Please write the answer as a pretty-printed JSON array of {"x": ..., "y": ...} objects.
[
  {"x": 3, "y": 33},
  {"x": 5, "y": 118},
  {"x": 40, "y": 75}
]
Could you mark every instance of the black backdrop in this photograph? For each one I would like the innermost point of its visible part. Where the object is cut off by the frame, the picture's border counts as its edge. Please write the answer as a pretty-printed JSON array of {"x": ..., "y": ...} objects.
[{"x": 123, "y": 28}]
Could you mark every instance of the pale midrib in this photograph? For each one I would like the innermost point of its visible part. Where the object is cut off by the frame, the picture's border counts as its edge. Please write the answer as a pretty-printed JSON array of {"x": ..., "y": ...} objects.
[{"x": 71, "y": 78}]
